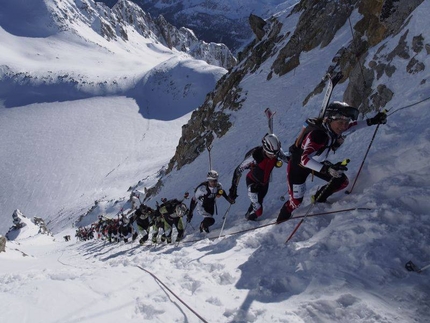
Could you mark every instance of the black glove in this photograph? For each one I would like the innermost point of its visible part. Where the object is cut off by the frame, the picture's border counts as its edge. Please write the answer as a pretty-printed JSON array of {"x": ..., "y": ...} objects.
[
  {"x": 189, "y": 217},
  {"x": 232, "y": 193},
  {"x": 230, "y": 200},
  {"x": 380, "y": 118},
  {"x": 334, "y": 170}
]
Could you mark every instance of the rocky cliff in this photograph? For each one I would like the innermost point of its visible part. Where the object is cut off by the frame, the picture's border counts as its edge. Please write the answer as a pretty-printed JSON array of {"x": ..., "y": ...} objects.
[{"x": 318, "y": 22}]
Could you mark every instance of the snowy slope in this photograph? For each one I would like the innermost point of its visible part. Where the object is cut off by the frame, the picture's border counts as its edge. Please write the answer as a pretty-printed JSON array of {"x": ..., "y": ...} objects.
[
  {"x": 82, "y": 116},
  {"x": 342, "y": 267}
]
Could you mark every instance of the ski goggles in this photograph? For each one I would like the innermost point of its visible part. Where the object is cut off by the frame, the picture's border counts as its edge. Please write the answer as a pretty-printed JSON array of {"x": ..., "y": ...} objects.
[
  {"x": 341, "y": 117},
  {"x": 346, "y": 113}
]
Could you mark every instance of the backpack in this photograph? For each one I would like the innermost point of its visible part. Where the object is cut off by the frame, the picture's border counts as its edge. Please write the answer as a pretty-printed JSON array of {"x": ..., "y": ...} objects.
[
  {"x": 206, "y": 184},
  {"x": 168, "y": 207},
  {"x": 312, "y": 125}
]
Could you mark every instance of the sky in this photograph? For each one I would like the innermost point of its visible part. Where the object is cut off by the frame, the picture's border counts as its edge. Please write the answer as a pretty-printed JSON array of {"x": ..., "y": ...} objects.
[{"x": 340, "y": 267}]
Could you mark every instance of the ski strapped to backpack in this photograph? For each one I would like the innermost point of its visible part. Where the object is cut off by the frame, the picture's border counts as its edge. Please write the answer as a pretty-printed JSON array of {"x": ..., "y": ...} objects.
[
  {"x": 331, "y": 83},
  {"x": 269, "y": 114},
  {"x": 209, "y": 148}
]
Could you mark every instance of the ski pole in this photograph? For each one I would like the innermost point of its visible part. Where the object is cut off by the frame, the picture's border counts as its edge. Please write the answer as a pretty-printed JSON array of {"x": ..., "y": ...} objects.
[
  {"x": 425, "y": 267},
  {"x": 186, "y": 225},
  {"x": 344, "y": 163},
  {"x": 365, "y": 156},
  {"x": 224, "y": 218},
  {"x": 410, "y": 266},
  {"x": 362, "y": 163}
]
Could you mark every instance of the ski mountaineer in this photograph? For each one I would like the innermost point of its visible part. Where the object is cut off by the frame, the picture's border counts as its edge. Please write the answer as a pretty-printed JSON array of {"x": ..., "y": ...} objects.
[
  {"x": 125, "y": 228},
  {"x": 143, "y": 217},
  {"x": 309, "y": 153},
  {"x": 172, "y": 211},
  {"x": 260, "y": 161},
  {"x": 204, "y": 200}
]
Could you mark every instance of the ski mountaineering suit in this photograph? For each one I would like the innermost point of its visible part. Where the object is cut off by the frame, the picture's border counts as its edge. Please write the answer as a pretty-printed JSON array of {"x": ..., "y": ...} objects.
[
  {"x": 308, "y": 155},
  {"x": 257, "y": 179},
  {"x": 143, "y": 217},
  {"x": 204, "y": 201},
  {"x": 171, "y": 219}
]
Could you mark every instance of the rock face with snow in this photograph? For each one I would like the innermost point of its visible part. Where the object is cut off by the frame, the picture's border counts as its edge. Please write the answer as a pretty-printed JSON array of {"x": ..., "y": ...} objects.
[
  {"x": 2, "y": 243},
  {"x": 43, "y": 229},
  {"x": 184, "y": 40},
  {"x": 23, "y": 227},
  {"x": 17, "y": 217},
  {"x": 221, "y": 21},
  {"x": 316, "y": 27},
  {"x": 19, "y": 221}
]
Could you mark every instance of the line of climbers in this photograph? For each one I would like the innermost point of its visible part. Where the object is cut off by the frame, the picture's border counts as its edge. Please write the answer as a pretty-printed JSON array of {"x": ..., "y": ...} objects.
[
  {"x": 307, "y": 155},
  {"x": 164, "y": 218}
]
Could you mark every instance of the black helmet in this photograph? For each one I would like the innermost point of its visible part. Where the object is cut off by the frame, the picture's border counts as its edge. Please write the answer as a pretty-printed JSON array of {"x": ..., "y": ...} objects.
[
  {"x": 341, "y": 110},
  {"x": 271, "y": 144}
]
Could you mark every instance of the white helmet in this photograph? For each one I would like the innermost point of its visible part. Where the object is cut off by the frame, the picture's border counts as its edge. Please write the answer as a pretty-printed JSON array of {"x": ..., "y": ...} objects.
[
  {"x": 271, "y": 144},
  {"x": 181, "y": 210},
  {"x": 212, "y": 175}
]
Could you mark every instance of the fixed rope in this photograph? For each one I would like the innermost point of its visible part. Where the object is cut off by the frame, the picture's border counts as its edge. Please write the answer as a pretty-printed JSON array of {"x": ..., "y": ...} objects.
[
  {"x": 177, "y": 297},
  {"x": 272, "y": 223},
  {"x": 408, "y": 106}
]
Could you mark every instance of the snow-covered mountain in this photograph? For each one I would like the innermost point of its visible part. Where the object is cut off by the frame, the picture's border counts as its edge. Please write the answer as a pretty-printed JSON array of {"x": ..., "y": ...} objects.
[
  {"x": 221, "y": 21},
  {"x": 71, "y": 54},
  {"x": 347, "y": 266},
  {"x": 24, "y": 228}
]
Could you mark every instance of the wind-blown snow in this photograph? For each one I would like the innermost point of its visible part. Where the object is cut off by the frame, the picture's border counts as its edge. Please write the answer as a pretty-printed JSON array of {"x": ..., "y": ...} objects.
[{"x": 343, "y": 267}]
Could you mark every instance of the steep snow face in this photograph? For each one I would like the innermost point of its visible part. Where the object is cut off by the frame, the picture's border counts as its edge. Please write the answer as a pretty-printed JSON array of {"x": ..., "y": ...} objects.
[{"x": 31, "y": 18}]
